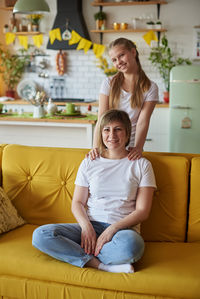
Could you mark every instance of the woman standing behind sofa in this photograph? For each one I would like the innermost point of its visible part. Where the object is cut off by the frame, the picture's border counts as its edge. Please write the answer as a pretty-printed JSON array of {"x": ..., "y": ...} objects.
[
  {"x": 112, "y": 196},
  {"x": 129, "y": 90}
]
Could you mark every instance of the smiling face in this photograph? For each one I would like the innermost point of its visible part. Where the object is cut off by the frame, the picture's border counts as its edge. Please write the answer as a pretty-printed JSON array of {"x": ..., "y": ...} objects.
[
  {"x": 114, "y": 136},
  {"x": 123, "y": 59}
]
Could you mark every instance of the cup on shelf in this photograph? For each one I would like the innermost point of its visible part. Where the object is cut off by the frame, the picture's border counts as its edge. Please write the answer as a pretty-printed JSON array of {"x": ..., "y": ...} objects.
[
  {"x": 116, "y": 26},
  {"x": 124, "y": 26},
  {"x": 70, "y": 108}
]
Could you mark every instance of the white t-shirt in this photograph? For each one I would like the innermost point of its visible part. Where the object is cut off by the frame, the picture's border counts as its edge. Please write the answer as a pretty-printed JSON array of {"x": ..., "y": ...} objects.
[
  {"x": 124, "y": 104},
  {"x": 113, "y": 186}
]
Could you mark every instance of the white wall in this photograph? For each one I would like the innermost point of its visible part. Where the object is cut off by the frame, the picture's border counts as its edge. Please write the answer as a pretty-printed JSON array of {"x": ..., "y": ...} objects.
[{"x": 83, "y": 78}]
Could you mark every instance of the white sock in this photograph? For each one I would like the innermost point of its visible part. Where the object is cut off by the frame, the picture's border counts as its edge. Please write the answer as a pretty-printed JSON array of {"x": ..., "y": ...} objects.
[{"x": 125, "y": 268}]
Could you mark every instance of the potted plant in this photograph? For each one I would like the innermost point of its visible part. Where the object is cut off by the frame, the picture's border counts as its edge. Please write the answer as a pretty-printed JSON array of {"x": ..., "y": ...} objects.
[
  {"x": 158, "y": 25},
  {"x": 164, "y": 60},
  {"x": 35, "y": 21},
  {"x": 150, "y": 24},
  {"x": 100, "y": 18},
  {"x": 12, "y": 68}
]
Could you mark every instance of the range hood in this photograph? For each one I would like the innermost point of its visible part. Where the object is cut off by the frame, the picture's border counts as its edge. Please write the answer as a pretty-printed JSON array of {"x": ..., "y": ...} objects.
[{"x": 69, "y": 12}]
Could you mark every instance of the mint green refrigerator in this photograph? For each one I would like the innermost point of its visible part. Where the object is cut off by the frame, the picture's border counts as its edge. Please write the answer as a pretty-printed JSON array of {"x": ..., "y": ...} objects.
[{"x": 184, "y": 132}]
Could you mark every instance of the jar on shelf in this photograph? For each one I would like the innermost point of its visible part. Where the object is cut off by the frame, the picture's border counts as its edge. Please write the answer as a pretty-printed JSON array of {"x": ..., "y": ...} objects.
[
  {"x": 6, "y": 28},
  {"x": 10, "y": 3},
  {"x": 35, "y": 27},
  {"x": 13, "y": 23},
  {"x": 23, "y": 26}
]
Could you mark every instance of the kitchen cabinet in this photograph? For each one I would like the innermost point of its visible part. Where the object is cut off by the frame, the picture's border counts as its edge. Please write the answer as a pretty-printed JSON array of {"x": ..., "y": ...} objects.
[
  {"x": 128, "y": 3},
  {"x": 40, "y": 132},
  {"x": 158, "y": 135}
]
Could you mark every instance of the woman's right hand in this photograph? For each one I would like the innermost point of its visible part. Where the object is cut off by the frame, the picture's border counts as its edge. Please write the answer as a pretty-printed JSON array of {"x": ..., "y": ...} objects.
[
  {"x": 88, "y": 239},
  {"x": 93, "y": 153}
]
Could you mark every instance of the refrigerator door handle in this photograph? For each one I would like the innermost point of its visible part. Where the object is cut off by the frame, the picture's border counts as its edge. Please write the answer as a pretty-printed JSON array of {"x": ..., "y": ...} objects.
[
  {"x": 186, "y": 81},
  {"x": 180, "y": 107}
]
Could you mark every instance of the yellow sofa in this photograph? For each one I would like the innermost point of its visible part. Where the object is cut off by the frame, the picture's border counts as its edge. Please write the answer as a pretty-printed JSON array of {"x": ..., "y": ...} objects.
[{"x": 40, "y": 183}]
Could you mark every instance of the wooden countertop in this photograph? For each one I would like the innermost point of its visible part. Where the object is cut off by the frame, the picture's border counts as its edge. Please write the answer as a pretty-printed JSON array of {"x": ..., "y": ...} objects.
[
  {"x": 27, "y": 117},
  {"x": 22, "y": 102},
  {"x": 66, "y": 120}
]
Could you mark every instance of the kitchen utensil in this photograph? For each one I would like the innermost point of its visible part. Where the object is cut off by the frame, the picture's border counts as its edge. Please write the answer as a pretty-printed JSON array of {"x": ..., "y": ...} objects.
[{"x": 26, "y": 89}]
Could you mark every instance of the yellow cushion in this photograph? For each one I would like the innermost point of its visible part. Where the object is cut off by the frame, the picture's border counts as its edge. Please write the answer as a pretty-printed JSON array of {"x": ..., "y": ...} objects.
[
  {"x": 9, "y": 217},
  {"x": 166, "y": 269},
  {"x": 1, "y": 152},
  {"x": 194, "y": 207},
  {"x": 40, "y": 181},
  {"x": 167, "y": 221}
]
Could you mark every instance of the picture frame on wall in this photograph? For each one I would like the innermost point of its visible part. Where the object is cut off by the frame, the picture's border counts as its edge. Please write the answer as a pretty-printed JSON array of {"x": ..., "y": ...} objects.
[{"x": 196, "y": 53}]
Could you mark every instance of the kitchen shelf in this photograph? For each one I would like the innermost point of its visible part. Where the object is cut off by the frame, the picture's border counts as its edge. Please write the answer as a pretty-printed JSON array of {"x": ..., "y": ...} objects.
[
  {"x": 7, "y": 8},
  {"x": 128, "y": 3},
  {"x": 126, "y": 30},
  {"x": 27, "y": 33}
]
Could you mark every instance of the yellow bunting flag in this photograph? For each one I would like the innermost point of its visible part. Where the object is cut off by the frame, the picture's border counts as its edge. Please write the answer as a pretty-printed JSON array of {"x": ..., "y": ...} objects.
[
  {"x": 98, "y": 50},
  {"x": 75, "y": 38},
  {"x": 38, "y": 40},
  {"x": 55, "y": 34},
  {"x": 10, "y": 38},
  {"x": 149, "y": 36},
  {"x": 23, "y": 40},
  {"x": 84, "y": 44}
]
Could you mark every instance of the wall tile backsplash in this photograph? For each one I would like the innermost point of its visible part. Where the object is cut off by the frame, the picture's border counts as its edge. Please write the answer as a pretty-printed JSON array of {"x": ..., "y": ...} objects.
[{"x": 82, "y": 78}]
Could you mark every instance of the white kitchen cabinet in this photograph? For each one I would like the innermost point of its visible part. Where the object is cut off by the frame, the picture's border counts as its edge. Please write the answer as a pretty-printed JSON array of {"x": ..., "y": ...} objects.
[
  {"x": 50, "y": 134},
  {"x": 158, "y": 135}
]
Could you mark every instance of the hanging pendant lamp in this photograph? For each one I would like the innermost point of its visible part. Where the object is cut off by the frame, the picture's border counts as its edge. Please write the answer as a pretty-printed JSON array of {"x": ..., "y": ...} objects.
[{"x": 31, "y": 7}]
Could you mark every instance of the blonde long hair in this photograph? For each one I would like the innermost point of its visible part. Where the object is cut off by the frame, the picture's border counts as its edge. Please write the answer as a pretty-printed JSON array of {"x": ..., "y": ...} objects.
[{"x": 142, "y": 83}]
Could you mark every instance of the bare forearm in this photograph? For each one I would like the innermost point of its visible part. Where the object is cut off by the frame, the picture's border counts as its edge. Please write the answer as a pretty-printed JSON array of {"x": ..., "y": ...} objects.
[
  {"x": 141, "y": 133},
  {"x": 80, "y": 214},
  {"x": 95, "y": 137},
  {"x": 142, "y": 211},
  {"x": 131, "y": 220}
]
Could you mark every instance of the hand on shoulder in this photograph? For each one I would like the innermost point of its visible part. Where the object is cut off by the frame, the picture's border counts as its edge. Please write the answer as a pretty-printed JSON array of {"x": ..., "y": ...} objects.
[
  {"x": 93, "y": 153},
  {"x": 134, "y": 153}
]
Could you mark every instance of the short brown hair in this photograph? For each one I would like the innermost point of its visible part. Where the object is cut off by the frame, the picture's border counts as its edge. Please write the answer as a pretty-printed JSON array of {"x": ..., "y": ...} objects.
[{"x": 109, "y": 117}]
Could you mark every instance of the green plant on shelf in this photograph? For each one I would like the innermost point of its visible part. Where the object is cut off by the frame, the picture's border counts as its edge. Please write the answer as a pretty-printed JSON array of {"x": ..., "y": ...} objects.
[
  {"x": 164, "y": 60},
  {"x": 35, "y": 18},
  {"x": 100, "y": 15}
]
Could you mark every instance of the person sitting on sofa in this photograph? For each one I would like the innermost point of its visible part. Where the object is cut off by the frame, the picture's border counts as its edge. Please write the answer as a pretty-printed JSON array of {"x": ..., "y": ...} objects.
[{"x": 112, "y": 196}]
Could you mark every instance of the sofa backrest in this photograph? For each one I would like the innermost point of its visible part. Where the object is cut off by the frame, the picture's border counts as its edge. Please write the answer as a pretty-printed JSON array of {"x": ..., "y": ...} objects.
[
  {"x": 1, "y": 151},
  {"x": 168, "y": 218},
  {"x": 194, "y": 205},
  {"x": 40, "y": 182}
]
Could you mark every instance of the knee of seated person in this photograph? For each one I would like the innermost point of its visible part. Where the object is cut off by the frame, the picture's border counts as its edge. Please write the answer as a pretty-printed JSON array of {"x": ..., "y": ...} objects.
[
  {"x": 131, "y": 244},
  {"x": 40, "y": 233}
]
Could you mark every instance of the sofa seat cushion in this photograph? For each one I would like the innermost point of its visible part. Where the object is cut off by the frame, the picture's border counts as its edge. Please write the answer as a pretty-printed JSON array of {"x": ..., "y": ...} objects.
[{"x": 166, "y": 269}]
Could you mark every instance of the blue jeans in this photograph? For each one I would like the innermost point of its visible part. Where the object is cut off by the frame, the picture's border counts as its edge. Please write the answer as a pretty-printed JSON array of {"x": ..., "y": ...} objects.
[{"x": 62, "y": 241}]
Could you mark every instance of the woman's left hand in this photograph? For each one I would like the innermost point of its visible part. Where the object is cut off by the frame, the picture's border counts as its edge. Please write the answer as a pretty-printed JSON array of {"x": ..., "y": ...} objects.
[
  {"x": 105, "y": 237},
  {"x": 134, "y": 153}
]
